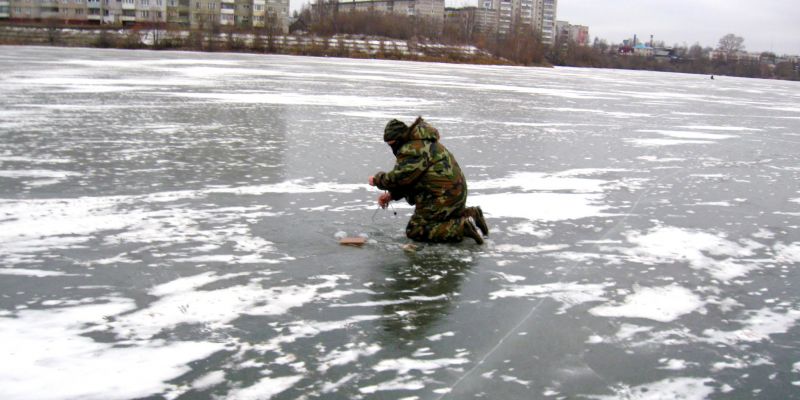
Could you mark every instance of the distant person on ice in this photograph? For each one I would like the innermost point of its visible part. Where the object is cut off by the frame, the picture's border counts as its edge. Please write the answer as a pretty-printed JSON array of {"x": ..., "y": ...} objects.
[{"x": 428, "y": 176}]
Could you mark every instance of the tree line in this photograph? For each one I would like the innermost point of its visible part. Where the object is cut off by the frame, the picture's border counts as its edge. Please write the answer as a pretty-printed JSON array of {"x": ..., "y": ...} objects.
[
  {"x": 725, "y": 59},
  {"x": 324, "y": 24},
  {"x": 522, "y": 46}
]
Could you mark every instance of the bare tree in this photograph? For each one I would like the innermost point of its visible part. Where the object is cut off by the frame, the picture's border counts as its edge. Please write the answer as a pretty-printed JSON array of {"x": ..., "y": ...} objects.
[{"x": 731, "y": 44}]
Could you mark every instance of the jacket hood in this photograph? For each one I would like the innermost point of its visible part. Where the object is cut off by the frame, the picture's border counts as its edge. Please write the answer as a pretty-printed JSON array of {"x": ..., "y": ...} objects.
[{"x": 421, "y": 130}]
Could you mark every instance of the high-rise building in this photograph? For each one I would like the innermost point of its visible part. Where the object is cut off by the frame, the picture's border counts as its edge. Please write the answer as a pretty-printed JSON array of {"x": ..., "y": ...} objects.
[
  {"x": 433, "y": 9},
  {"x": 548, "y": 15},
  {"x": 539, "y": 15}
]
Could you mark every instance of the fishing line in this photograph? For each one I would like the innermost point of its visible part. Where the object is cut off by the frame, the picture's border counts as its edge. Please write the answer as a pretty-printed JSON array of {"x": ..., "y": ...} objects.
[{"x": 383, "y": 208}]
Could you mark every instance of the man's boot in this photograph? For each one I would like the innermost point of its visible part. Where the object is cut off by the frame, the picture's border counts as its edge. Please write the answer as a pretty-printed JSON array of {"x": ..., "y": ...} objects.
[
  {"x": 471, "y": 232},
  {"x": 477, "y": 215}
]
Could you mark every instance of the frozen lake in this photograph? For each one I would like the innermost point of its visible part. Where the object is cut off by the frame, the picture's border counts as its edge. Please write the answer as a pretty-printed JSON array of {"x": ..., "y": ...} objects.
[{"x": 169, "y": 228}]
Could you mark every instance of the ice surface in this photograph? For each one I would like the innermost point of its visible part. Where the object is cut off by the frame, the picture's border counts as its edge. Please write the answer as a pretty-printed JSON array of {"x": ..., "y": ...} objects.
[{"x": 169, "y": 225}]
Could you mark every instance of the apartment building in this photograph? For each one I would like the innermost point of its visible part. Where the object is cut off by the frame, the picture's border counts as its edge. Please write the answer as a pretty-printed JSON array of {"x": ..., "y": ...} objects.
[
  {"x": 474, "y": 19},
  {"x": 502, "y": 16},
  {"x": 548, "y": 25},
  {"x": 4, "y": 9},
  {"x": 194, "y": 13},
  {"x": 485, "y": 20},
  {"x": 433, "y": 9},
  {"x": 263, "y": 13},
  {"x": 566, "y": 32}
]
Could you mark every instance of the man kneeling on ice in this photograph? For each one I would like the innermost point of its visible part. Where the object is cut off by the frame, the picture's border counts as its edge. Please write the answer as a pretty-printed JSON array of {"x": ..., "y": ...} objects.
[{"x": 427, "y": 175}]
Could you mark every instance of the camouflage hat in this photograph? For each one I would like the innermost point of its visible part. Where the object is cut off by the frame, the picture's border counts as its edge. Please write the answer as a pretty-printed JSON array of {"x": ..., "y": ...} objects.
[{"x": 395, "y": 130}]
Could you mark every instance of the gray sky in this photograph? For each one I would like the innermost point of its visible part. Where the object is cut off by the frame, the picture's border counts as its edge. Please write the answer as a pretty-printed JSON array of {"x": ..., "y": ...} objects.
[{"x": 765, "y": 25}]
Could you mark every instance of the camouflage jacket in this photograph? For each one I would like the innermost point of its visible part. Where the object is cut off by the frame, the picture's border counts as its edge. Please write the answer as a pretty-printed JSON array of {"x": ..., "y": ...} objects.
[{"x": 426, "y": 174}]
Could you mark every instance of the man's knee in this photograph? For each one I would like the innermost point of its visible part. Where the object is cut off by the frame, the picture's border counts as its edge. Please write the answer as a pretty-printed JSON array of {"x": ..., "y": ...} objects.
[{"x": 436, "y": 232}]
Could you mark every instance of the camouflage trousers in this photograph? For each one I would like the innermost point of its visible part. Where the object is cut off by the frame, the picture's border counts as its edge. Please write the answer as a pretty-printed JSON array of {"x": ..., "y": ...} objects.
[{"x": 436, "y": 230}]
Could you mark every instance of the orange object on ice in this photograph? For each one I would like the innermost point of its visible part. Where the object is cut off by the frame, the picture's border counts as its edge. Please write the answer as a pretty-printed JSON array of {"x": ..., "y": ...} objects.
[{"x": 353, "y": 241}]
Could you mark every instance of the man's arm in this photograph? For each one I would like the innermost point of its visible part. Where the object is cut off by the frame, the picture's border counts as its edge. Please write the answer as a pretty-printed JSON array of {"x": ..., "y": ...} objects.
[{"x": 408, "y": 168}]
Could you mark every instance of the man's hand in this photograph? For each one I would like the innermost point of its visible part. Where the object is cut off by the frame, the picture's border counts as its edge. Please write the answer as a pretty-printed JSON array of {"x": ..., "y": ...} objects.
[
  {"x": 384, "y": 199},
  {"x": 372, "y": 181}
]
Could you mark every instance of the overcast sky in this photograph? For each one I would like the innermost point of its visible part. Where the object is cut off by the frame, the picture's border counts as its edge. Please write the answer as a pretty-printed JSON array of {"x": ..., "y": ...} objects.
[{"x": 765, "y": 25}]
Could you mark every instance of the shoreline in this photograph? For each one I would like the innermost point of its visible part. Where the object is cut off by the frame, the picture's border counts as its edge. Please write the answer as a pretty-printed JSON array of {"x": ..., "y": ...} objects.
[{"x": 351, "y": 46}]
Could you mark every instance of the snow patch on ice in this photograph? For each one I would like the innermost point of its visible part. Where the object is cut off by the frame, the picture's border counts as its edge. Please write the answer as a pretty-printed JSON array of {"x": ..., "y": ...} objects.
[
  {"x": 688, "y": 134},
  {"x": 350, "y": 354},
  {"x": 675, "y": 364},
  {"x": 663, "y": 142},
  {"x": 569, "y": 294},
  {"x": 542, "y": 206},
  {"x": 399, "y": 383},
  {"x": 660, "y": 160},
  {"x": 437, "y": 337},
  {"x": 719, "y": 128},
  {"x": 515, "y": 248},
  {"x": 32, "y": 160},
  {"x": 43, "y": 175},
  {"x": 508, "y": 277},
  {"x": 714, "y": 204},
  {"x": 405, "y": 365},
  {"x": 265, "y": 388},
  {"x": 208, "y": 380},
  {"x": 672, "y": 388},
  {"x": 37, "y": 273},
  {"x": 787, "y": 253},
  {"x": 662, "y": 304},
  {"x": 291, "y": 186},
  {"x": 696, "y": 248},
  {"x": 291, "y": 98},
  {"x": 182, "y": 301},
  {"x": 758, "y": 326},
  {"x": 329, "y": 387},
  {"x": 763, "y": 234},
  {"x": 536, "y": 181},
  {"x": 628, "y": 331},
  {"x": 49, "y": 349},
  {"x": 528, "y": 228},
  {"x": 514, "y": 379}
]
